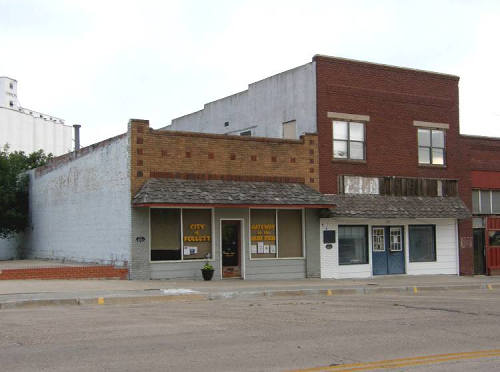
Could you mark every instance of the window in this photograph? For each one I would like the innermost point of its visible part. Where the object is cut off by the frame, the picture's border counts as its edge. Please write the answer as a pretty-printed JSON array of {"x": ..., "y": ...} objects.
[
  {"x": 348, "y": 140},
  {"x": 475, "y": 202},
  {"x": 422, "y": 243},
  {"x": 165, "y": 234},
  {"x": 431, "y": 146},
  {"x": 267, "y": 241},
  {"x": 378, "y": 238},
  {"x": 171, "y": 243},
  {"x": 495, "y": 202},
  {"x": 246, "y": 133},
  {"x": 396, "y": 245},
  {"x": 197, "y": 233},
  {"x": 353, "y": 245},
  {"x": 290, "y": 233},
  {"x": 226, "y": 123},
  {"x": 11, "y": 104},
  {"x": 486, "y": 201},
  {"x": 494, "y": 238},
  {"x": 290, "y": 130},
  {"x": 11, "y": 86}
]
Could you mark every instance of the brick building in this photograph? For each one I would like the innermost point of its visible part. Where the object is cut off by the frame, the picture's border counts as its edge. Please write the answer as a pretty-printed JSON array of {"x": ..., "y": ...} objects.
[
  {"x": 391, "y": 157},
  {"x": 483, "y": 156},
  {"x": 334, "y": 169},
  {"x": 163, "y": 203}
]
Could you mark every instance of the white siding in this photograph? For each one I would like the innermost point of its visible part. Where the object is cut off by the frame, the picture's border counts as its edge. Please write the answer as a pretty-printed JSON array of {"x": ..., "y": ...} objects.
[
  {"x": 446, "y": 248},
  {"x": 81, "y": 210}
]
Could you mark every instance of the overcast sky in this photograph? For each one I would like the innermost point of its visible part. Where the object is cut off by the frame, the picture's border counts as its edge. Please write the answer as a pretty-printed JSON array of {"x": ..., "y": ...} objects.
[{"x": 100, "y": 63}]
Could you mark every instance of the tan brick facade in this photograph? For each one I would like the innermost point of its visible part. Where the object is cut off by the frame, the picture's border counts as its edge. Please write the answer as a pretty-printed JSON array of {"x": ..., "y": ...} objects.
[{"x": 159, "y": 153}]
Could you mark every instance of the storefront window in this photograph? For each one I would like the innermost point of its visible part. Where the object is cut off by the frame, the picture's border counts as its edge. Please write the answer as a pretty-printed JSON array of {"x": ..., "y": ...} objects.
[
  {"x": 494, "y": 238},
  {"x": 169, "y": 243},
  {"x": 289, "y": 233},
  {"x": 353, "y": 245},
  {"x": 422, "y": 243},
  {"x": 263, "y": 233},
  {"x": 197, "y": 233},
  {"x": 165, "y": 234},
  {"x": 288, "y": 243}
]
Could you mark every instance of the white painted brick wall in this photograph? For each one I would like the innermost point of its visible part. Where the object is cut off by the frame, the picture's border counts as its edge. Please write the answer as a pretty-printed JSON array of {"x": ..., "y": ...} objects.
[{"x": 82, "y": 210}]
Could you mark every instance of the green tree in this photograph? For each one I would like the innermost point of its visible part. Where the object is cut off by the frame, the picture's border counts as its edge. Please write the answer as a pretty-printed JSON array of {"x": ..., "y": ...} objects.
[{"x": 14, "y": 188}]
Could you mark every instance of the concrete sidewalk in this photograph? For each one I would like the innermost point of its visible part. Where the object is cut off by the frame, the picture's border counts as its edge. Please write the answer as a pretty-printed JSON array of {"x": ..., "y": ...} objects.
[{"x": 23, "y": 293}]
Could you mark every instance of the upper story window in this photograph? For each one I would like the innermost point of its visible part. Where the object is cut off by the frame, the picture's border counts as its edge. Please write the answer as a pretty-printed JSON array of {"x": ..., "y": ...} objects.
[
  {"x": 348, "y": 140},
  {"x": 290, "y": 129},
  {"x": 431, "y": 146}
]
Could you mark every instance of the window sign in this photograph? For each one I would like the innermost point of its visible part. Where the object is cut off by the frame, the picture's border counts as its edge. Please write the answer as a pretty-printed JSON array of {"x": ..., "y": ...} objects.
[
  {"x": 197, "y": 233},
  {"x": 263, "y": 232}
]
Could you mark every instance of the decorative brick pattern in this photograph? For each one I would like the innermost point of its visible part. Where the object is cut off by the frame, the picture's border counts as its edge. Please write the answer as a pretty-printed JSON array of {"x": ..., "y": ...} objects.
[{"x": 231, "y": 157}]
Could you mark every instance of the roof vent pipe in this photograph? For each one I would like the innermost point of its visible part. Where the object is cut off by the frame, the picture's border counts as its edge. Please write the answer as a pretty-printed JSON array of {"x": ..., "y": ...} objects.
[{"x": 77, "y": 136}]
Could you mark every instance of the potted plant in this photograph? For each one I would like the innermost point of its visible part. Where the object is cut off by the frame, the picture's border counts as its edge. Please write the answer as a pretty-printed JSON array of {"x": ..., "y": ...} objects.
[{"x": 207, "y": 271}]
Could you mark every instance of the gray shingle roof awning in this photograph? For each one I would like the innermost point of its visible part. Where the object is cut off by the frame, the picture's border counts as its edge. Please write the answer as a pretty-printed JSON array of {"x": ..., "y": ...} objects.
[
  {"x": 380, "y": 206},
  {"x": 169, "y": 191}
]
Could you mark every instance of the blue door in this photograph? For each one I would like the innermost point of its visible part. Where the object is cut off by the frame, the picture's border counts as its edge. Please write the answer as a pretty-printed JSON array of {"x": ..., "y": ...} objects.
[{"x": 388, "y": 250}]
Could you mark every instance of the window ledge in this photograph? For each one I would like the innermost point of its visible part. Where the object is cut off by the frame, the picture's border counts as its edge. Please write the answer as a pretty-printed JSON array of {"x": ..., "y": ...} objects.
[
  {"x": 350, "y": 161},
  {"x": 432, "y": 166}
]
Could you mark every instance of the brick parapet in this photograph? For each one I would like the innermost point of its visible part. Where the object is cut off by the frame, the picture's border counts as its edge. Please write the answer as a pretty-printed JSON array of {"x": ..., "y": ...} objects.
[{"x": 161, "y": 153}]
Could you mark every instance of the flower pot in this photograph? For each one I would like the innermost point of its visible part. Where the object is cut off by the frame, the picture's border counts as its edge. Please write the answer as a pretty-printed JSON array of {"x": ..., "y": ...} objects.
[{"x": 207, "y": 274}]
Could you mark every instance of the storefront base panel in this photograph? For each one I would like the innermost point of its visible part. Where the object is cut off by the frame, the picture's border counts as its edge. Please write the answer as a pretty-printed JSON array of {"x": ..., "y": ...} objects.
[
  {"x": 446, "y": 248},
  {"x": 276, "y": 269}
]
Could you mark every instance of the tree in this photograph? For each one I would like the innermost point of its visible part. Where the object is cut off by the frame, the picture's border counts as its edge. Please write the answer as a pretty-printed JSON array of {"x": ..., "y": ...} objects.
[{"x": 14, "y": 188}]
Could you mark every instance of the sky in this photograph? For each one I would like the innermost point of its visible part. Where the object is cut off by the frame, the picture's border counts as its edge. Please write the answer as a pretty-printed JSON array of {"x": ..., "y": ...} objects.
[{"x": 100, "y": 63}]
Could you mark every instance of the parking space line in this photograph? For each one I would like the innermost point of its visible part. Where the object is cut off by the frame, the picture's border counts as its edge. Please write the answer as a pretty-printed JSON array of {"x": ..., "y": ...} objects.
[{"x": 405, "y": 362}]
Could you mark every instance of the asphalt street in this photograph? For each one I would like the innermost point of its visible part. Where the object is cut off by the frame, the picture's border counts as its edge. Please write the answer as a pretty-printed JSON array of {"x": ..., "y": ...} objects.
[{"x": 311, "y": 333}]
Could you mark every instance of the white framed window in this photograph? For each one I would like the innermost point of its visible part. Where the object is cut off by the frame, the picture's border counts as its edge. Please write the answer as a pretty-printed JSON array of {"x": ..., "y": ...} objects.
[
  {"x": 276, "y": 233},
  {"x": 396, "y": 244},
  {"x": 353, "y": 244},
  {"x": 348, "y": 140},
  {"x": 181, "y": 234},
  {"x": 422, "y": 243},
  {"x": 378, "y": 238},
  {"x": 431, "y": 146}
]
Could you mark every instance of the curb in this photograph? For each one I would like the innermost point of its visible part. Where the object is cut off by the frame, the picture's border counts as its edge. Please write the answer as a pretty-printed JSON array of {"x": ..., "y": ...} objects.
[{"x": 116, "y": 300}]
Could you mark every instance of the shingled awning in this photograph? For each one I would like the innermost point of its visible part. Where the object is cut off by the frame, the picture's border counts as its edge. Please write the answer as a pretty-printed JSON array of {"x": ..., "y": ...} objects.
[
  {"x": 380, "y": 206},
  {"x": 182, "y": 192}
]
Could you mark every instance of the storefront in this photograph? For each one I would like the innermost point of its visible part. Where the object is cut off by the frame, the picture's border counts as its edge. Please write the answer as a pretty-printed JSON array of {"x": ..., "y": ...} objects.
[
  {"x": 248, "y": 230},
  {"x": 369, "y": 235}
]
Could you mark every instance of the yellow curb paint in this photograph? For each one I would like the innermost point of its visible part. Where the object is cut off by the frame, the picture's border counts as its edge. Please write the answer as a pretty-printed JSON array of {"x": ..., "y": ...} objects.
[
  {"x": 490, "y": 286},
  {"x": 329, "y": 292},
  {"x": 406, "y": 362},
  {"x": 100, "y": 301},
  {"x": 415, "y": 290}
]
